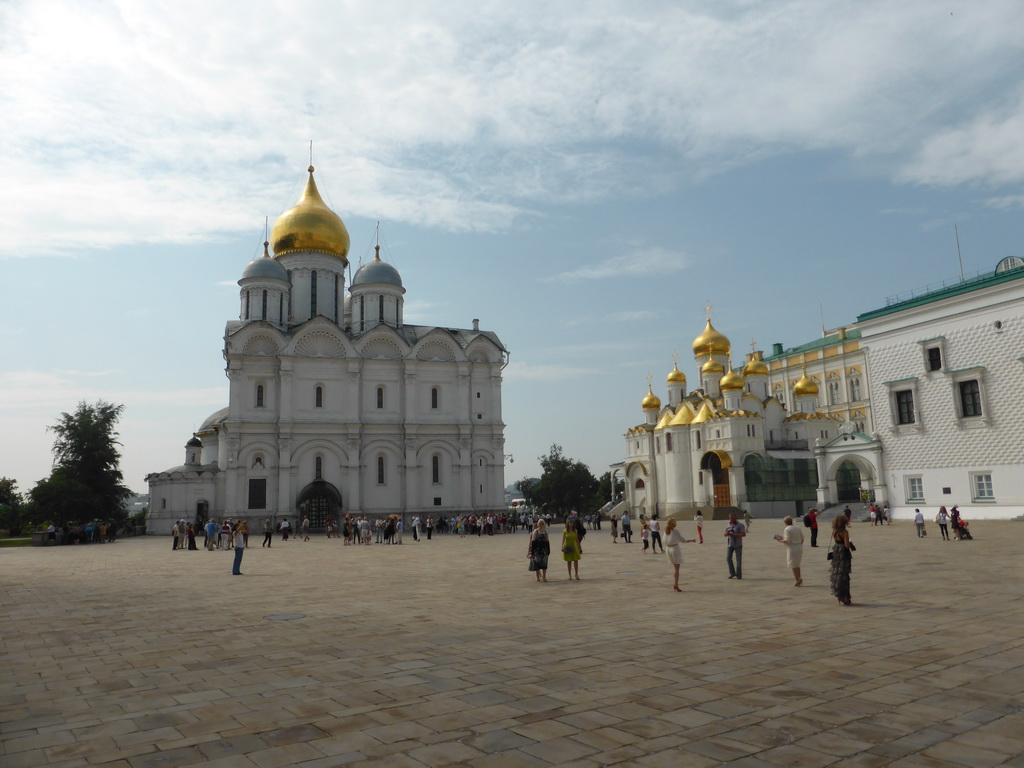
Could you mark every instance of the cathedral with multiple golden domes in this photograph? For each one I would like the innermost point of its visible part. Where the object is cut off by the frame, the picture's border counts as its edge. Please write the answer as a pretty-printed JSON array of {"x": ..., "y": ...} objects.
[
  {"x": 335, "y": 404},
  {"x": 726, "y": 443}
]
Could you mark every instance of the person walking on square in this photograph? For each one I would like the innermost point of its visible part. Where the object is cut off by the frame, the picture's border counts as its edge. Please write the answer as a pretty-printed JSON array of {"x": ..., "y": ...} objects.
[
  {"x": 645, "y": 535},
  {"x": 241, "y": 528},
  {"x": 942, "y": 518},
  {"x": 627, "y": 528},
  {"x": 190, "y": 535},
  {"x": 812, "y": 516},
  {"x": 734, "y": 533},
  {"x": 748, "y": 519},
  {"x": 211, "y": 535},
  {"x": 539, "y": 550},
  {"x": 268, "y": 533},
  {"x": 305, "y": 528},
  {"x": 615, "y": 529},
  {"x": 571, "y": 551},
  {"x": 674, "y": 541},
  {"x": 656, "y": 536},
  {"x": 919, "y": 523},
  {"x": 699, "y": 520},
  {"x": 176, "y": 533},
  {"x": 842, "y": 560},
  {"x": 793, "y": 538},
  {"x": 286, "y": 529}
]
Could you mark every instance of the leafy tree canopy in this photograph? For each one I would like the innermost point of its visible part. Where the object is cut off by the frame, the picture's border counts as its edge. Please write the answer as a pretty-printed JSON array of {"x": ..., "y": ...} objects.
[
  {"x": 86, "y": 482},
  {"x": 564, "y": 485}
]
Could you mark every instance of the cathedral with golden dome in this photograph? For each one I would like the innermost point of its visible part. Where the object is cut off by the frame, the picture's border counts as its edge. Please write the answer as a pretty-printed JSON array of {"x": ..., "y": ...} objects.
[
  {"x": 335, "y": 404},
  {"x": 730, "y": 442}
]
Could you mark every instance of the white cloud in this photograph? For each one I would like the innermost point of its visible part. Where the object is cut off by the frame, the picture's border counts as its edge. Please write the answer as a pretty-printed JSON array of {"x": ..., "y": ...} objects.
[
  {"x": 1005, "y": 202},
  {"x": 138, "y": 121},
  {"x": 642, "y": 262},
  {"x": 632, "y": 316}
]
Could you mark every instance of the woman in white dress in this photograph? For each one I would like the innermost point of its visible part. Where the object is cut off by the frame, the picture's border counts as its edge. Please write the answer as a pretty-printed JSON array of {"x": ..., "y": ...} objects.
[
  {"x": 673, "y": 541},
  {"x": 793, "y": 538}
]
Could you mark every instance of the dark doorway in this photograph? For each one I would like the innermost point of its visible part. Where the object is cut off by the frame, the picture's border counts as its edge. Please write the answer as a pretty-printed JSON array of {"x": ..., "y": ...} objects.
[
  {"x": 319, "y": 500},
  {"x": 847, "y": 483}
]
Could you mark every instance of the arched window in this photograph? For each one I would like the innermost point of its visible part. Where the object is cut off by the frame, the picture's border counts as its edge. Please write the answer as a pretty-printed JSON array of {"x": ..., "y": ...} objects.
[
  {"x": 435, "y": 468},
  {"x": 312, "y": 294},
  {"x": 380, "y": 470},
  {"x": 380, "y": 308},
  {"x": 697, "y": 435},
  {"x": 319, "y": 397},
  {"x": 264, "y": 317},
  {"x": 639, "y": 484},
  {"x": 318, "y": 472},
  {"x": 362, "y": 312},
  {"x": 435, "y": 397},
  {"x": 259, "y": 395},
  {"x": 380, "y": 397},
  {"x": 668, "y": 443}
]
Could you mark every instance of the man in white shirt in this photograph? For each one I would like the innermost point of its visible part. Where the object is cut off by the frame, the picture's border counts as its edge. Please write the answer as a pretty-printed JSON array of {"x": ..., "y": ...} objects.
[
  {"x": 919, "y": 522},
  {"x": 656, "y": 535},
  {"x": 627, "y": 528}
]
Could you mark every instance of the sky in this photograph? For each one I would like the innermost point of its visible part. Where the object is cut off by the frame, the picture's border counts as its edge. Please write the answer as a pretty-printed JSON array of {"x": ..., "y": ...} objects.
[{"x": 582, "y": 177}]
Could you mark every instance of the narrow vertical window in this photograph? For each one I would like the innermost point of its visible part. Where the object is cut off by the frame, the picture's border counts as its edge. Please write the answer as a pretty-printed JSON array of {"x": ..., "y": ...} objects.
[
  {"x": 934, "y": 359},
  {"x": 264, "y": 316},
  {"x": 970, "y": 398},
  {"x": 435, "y": 469},
  {"x": 380, "y": 397},
  {"x": 434, "y": 397},
  {"x": 280, "y": 308},
  {"x": 337, "y": 318},
  {"x": 248, "y": 296},
  {"x": 319, "y": 471},
  {"x": 362, "y": 312},
  {"x": 312, "y": 294},
  {"x": 668, "y": 443},
  {"x": 380, "y": 470},
  {"x": 697, "y": 435},
  {"x": 319, "y": 397},
  {"x": 380, "y": 308},
  {"x": 259, "y": 395}
]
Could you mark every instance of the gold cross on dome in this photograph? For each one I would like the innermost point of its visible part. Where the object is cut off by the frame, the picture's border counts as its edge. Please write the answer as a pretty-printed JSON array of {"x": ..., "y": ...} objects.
[
  {"x": 675, "y": 359},
  {"x": 753, "y": 344},
  {"x": 708, "y": 310}
]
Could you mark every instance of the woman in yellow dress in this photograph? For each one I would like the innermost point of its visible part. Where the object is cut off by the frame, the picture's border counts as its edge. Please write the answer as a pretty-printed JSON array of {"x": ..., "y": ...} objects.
[{"x": 571, "y": 550}]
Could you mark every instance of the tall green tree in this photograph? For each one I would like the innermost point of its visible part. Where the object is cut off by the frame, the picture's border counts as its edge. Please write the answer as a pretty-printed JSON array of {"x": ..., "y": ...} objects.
[
  {"x": 564, "y": 485},
  {"x": 86, "y": 482},
  {"x": 11, "y": 504}
]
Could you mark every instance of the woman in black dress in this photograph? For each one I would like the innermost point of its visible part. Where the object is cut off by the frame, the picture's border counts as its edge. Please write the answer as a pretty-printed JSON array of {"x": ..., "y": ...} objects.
[
  {"x": 842, "y": 560},
  {"x": 540, "y": 548}
]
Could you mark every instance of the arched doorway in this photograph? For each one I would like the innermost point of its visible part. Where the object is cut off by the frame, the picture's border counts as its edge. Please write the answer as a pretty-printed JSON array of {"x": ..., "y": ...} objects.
[
  {"x": 319, "y": 500},
  {"x": 202, "y": 513},
  {"x": 848, "y": 483},
  {"x": 716, "y": 471}
]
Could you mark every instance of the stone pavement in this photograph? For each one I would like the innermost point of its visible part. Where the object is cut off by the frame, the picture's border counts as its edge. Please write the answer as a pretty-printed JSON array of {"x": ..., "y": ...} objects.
[{"x": 448, "y": 652}]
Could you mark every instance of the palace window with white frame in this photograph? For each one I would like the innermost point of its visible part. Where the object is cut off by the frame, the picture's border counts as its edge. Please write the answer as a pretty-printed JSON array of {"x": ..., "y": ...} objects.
[
  {"x": 969, "y": 396},
  {"x": 833, "y": 392},
  {"x": 934, "y": 353},
  {"x": 854, "y": 385},
  {"x": 915, "y": 489},
  {"x": 981, "y": 487},
  {"x": 903, "y": 405}
]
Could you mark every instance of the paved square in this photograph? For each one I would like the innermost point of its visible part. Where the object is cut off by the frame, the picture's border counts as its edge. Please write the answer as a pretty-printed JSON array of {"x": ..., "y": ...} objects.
[{"x": 449, "y": 653}]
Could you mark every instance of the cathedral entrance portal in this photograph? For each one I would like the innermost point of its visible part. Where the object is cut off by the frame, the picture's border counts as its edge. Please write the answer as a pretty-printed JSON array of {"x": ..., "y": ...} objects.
[
  {"x": 319, "y": 500},
  {"x": 847, "y": 483},
  {"x": 716, "y": 472}
]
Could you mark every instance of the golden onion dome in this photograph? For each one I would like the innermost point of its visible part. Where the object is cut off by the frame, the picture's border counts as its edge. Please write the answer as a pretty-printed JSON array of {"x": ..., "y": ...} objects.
[
  {"x": 712, "y": 366},
  {"x": 650, "y": 401},
  {"x": 675, "y": 376},
  {"x": 710, "y": 342},
  {"x": 755, "y": 367},
  {"x": 731, "y": 381},
  {"x": 310, "y": 225},
  {"x": 804, "y": 386}
]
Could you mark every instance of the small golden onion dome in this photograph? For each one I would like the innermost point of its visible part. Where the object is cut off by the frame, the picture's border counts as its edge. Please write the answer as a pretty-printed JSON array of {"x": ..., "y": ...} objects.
[
  {"x": 712, "y": 366},
  {"x": 731, "y": 381},
  {"x": 650, "y": 401},
  {"x": 755, "y": 367},
  {"x": 805, "y": 386},
  {"x": 310, "y": 225},
  {"x": 710, "y": 342},
  {"x": 675, "y": 376}
]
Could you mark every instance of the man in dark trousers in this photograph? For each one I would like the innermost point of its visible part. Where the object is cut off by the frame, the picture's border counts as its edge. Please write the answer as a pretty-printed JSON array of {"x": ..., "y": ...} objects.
[{"x": 813, "y": 517}]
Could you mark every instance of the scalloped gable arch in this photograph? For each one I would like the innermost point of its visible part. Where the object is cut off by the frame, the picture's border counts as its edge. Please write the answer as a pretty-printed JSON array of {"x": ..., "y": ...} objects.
[
  {"x": 434, "y": 350},
  {"x": 320, "y": 343}
]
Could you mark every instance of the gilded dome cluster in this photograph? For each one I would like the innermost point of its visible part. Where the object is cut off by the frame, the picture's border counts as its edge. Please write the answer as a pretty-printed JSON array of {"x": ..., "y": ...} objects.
[{"x": 310, "y": 225}]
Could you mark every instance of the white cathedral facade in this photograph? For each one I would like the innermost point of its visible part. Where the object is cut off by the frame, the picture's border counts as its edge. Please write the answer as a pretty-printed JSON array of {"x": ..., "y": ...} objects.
[{"x": 336, "y": 405}]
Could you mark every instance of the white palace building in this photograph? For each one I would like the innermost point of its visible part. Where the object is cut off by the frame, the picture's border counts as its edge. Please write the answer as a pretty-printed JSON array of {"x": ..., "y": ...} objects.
[
  {"x": 336, "y": 405},
  {"x": 917, "y": 404}
]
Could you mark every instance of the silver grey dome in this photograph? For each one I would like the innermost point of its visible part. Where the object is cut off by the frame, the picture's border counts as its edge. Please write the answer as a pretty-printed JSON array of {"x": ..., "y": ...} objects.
[
  {"x": 266, "y": 268},
  {"x": 377, "y": 271}
]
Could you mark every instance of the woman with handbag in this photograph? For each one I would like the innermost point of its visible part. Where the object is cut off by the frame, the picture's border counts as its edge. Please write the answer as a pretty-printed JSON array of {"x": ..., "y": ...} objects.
[
  {"x": 571, "y": 551},
  {"x": 540, "y": 549},
  {"x": 842, "y": 560}
]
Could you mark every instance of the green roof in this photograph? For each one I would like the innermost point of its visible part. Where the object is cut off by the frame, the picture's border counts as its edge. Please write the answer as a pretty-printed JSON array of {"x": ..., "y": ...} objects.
[
  {"x": 833, "y": 338},
  {"x": 946, "y": 291}
]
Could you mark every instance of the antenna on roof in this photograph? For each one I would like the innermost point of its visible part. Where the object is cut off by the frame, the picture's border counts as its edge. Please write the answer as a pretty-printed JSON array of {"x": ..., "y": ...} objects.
[
  {"x": 958, "y": 256},
  {"x": 821, "y": 311}
]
